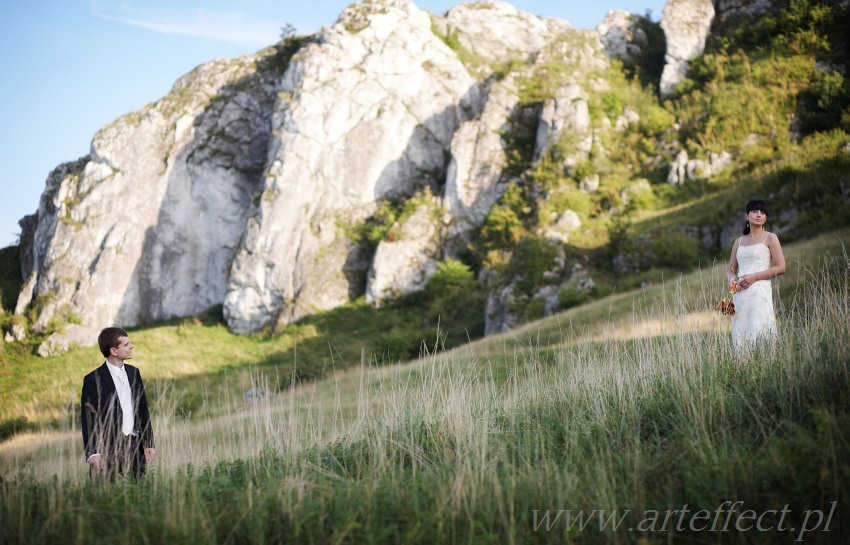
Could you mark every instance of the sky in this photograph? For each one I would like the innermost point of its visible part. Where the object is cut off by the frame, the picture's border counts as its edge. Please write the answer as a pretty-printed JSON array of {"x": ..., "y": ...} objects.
[{"x": 69, "y": 67}]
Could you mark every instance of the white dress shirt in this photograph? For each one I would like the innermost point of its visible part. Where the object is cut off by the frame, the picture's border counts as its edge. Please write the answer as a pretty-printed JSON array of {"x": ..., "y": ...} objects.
[{"x": 125, "y": 396}]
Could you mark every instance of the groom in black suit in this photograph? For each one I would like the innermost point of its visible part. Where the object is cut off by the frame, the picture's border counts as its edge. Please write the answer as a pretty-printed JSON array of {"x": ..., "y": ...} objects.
[{"x": 114, "y": 416}]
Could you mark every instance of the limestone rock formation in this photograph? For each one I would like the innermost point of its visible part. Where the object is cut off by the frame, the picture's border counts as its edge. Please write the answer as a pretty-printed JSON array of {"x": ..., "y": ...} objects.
[
  {"x": 474, "y": 181},
  {"x": 366, "y": 112},
  {"x": 683, "y": 169},
  {"x": 144, "y": 228},
  {"x": 405, "y": 263},
  {"x": 568, "y": 222},
  {"x": 16, "y": 334},
  {"x": 621, "y": 35},
  {"x": 565, "y": 114},
  {"x": 495, "y": 31},
  {"x": 740, "y": 10},
  {"x": 686, "y": 24},
  {"x": 498, "y": 317},
  {"x": 242, "y": 185}
]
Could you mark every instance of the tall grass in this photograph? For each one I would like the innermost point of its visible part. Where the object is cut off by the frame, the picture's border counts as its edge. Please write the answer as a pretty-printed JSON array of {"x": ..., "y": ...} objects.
[{"x": 460, "y": 448}]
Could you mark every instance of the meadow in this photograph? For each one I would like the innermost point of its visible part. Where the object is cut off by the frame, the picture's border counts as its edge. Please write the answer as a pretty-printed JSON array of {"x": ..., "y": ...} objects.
[{"x": 630, "y": 405}]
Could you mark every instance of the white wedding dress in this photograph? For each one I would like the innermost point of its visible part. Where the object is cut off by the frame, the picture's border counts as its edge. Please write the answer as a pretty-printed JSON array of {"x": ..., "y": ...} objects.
[{"x": 754, "y": 318}]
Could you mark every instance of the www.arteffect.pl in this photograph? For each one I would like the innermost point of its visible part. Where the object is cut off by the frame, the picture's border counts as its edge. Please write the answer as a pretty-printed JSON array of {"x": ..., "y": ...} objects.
[{"x": 729, "y": 516}]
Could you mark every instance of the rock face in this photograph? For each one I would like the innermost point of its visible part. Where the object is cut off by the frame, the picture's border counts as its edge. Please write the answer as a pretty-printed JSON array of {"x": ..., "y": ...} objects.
[
  {"x": 405, "y": 263},
  {"x": 729, "y": 10},
  {"x": 496, "y": 31},
  {"x": 621, "y": 35},
  {"x": 683, "y": 169},
  {"x": 144, "y": 228},
  {"x": 565, "y": 114},
  {"x": 352, "y": 128},
  {"x": 568, "y": 222},
  {"x": 686, "y": 24},
  {"x": 242, "y": 186},
  {"x": 474, "y": 181}
]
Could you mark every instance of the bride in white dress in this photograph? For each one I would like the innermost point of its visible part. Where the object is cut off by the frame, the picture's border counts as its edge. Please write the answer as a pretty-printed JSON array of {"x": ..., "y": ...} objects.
[{"x": 752, "y": 254}]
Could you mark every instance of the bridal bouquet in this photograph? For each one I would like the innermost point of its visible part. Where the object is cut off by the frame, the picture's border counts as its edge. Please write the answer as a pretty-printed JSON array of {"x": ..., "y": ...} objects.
[{"x": 725, "y": 305}]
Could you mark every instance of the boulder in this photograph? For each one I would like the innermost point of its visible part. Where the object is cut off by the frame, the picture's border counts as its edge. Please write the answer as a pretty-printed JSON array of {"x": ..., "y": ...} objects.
[
  {"x": 621, "y": 35},
  {"x": 494, "y": 31},
  {"x": 69, "y": 336},
  {"x": 565, "y": 114},
  {"x": 16, "y": 334},
  {"x": 683, "y": 169},
  {"x": 589, "y": 184},
  {"x": 405, "y": 263},
  {"x": 568, "y": 222},
  {"x": 498, "y": 317}
]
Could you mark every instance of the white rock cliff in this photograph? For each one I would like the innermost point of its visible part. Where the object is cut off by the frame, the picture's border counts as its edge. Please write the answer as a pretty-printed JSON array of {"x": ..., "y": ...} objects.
[
  {"x": 686, "y": 24},
  {"x": 145, "y": 227},
  {"x": 241, "y": 187}
]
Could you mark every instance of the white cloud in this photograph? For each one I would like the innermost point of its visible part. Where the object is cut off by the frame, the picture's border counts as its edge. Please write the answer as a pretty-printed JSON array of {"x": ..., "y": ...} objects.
[{"x": 224, "y": 27}]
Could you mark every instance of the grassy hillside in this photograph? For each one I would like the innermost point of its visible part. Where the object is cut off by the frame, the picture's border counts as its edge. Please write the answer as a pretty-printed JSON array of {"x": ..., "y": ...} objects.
[
  {"x": 197, "y": 368},
  {"x": 644, "y": 407}
]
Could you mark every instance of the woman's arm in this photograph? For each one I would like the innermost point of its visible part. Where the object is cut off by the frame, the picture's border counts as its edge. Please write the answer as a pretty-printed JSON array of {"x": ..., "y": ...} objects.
[{"x": 732, "y": 267}]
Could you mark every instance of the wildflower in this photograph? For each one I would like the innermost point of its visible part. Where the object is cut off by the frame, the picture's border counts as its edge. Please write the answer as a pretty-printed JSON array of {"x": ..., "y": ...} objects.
[{"x": 726, "y": 306}]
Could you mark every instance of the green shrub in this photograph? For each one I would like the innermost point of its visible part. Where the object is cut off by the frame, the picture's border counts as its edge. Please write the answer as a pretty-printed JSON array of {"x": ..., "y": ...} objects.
[
  {"x": 656, "y": 120},
  {"x": 456, "y": 301},
  {"x": 823, "y": 101},
  {"x": 532, "y": 258},
  {"x": 675, "y": 250},
  {"x": 400, "y": 343},
  {"x": 14, "y": 426},
  {"x": 572, "y": 295}
]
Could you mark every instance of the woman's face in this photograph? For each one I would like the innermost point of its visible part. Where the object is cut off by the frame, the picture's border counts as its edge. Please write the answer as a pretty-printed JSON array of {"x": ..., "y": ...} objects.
[{"x": 756, "y": 217}]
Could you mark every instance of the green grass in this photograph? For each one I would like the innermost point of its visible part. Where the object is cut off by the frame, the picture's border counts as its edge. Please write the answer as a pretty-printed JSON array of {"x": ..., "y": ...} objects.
[{"x": 464, "y": 446}]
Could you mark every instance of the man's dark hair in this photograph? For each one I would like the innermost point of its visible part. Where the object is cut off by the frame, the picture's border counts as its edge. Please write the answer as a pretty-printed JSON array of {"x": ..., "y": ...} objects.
[{"x": 108, "y": 338}]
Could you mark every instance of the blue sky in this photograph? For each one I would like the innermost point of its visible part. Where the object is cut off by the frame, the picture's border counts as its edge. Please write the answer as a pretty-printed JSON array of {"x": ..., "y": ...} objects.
[{"x": 70, "y": 67}]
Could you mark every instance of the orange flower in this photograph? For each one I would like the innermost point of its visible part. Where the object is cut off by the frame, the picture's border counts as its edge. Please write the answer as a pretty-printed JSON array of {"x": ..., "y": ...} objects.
[{"x": 726, "y": 306}]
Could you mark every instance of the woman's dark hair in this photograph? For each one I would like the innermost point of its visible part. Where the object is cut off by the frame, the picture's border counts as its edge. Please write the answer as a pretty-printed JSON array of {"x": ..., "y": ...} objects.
[{"x": 754, "y": 204}]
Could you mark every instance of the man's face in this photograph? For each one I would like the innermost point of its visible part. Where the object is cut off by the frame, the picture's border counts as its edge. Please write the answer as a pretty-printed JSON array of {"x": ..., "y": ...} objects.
[{"x": 124, "y": 350}]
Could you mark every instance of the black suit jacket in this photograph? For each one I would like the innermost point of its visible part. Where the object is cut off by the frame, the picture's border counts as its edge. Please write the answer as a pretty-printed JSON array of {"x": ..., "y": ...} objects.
[{"x": 101, "y": 415}]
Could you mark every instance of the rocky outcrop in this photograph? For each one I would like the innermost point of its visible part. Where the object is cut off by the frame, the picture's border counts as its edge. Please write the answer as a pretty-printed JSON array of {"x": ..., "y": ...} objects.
[
  {"x": 496, "y": 31},
  {"x": 145, "y": 227},
  {"x": 404, "y": 262},
  {"x": 683, "y": 169},
  {"x": 686, "y": 24},
  {"x": 16, "y": 333},
  {"x": 740, "y": 10},
  {"x": 475, "y": 180},
  {"x": 497, "y": 315},
  {"x": 566, "y": 223},
  {"x": 366, "y": 112},
  {"x": 71, "y": 335},
  {"x": 566, "y": 114},
  {"x": 621, "y": 35},
  {"x": 244, "y": 185}
]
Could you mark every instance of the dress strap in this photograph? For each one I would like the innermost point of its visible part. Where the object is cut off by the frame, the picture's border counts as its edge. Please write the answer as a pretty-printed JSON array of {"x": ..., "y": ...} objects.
[{"x": 765, "y": 238}]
